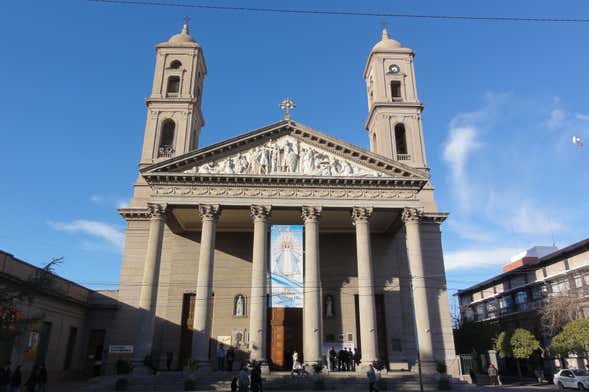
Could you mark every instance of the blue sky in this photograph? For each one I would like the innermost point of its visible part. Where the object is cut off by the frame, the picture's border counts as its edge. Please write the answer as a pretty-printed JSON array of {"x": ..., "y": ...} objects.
[{"x": 502, "y": 103}]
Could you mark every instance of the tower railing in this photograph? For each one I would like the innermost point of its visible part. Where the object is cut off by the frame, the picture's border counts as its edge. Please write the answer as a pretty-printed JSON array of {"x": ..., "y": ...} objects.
[
  {"x": 165, "y": 152},
  {"x": 403, "y": 157}
]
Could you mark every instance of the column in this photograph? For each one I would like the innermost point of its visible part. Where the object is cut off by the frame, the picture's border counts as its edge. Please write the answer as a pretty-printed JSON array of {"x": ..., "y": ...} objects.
[
  {"x": 367, "y": 307},
  {"x": 151, "y": 274},
  {"x": 312, "y": 334},
  {"x": 204, "y": 286},
  {"x": 258, "y": 301},
  {"x": 412, "y": 218}
]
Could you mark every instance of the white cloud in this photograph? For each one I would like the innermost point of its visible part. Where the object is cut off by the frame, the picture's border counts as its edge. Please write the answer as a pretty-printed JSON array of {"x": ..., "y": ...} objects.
[
  {"x": 461, "y": 143},
  {"x": 556, "y": 119},
  {"x": 105, "y": 231},
  {"x": 469, "y": 231},
  {"x": 472, "y": 258},
  {"x": 582, "y": 117},
  {"x": 115, "y": 201},
  {"x": 530, "y": 220}
]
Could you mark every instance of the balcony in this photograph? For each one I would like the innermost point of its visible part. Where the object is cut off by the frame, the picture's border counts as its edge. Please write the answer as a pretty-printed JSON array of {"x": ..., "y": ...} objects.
[
  {"x": 165, "y": 152},
  {"x": 403, "y": 157}
]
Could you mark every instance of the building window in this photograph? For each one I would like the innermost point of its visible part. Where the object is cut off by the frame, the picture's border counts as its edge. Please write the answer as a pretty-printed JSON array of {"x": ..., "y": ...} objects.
[
  {"x": 521, "y": 297},
  {"x": 492, "y": 308},
  {"x": 480, "y": 309},
  {"x": 578, "y": 282},
  {"x": 166, "y": 146},
  {"x": 173, "y": 86},
  {"x": 374, "y": 141},
  {"x": 401, "y": 142},
  {"x": 537, "y": 292},
  {"x": 469, "y": 314},
  {"x": 396, "y": 90},
  {"x": 505, "y": 303},
  {"x": 239, "y": 306},
  {"x": 175, "y": 64}
]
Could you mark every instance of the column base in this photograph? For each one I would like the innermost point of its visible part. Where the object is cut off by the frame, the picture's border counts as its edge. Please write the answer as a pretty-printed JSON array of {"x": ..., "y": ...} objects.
[
  {"x": 264, "y": 367},
  {"x": 428, "y": 368},
  {"x": 204, "y": 367}
]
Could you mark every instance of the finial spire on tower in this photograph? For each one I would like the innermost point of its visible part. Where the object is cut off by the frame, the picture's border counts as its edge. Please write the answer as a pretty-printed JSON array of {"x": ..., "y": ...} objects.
[
  {"x": 287, "y": 105},
  {"x": 185, "y": 27},
  {"x": 385, "y": 32}
]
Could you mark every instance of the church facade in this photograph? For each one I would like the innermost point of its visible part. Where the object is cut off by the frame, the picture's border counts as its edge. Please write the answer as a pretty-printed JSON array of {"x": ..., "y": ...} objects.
[{"x": 200, "y": 264}]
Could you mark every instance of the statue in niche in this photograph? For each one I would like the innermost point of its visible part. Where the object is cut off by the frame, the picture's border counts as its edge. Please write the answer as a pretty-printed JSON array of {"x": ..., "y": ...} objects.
[
  {"x": 239, "y": 306},
  {"x": 309, "y": 161},
  {"x": 329, "y": 306},
  {"x": 242, "y": 164}
]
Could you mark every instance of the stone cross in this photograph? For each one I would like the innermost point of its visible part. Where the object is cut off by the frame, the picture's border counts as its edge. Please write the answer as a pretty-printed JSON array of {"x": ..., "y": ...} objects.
[{"x": 287, "y": 105}]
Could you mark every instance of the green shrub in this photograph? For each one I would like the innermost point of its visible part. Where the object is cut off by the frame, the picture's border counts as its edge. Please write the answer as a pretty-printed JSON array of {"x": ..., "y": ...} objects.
[
  {"x": 123, "y": 367},
  {"x": 189, "y": 384},
  {"x": 121, "y": 384}
]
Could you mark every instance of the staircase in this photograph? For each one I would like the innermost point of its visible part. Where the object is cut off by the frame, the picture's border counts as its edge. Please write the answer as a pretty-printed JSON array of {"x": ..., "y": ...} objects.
[{"x": 276, "y": 381}]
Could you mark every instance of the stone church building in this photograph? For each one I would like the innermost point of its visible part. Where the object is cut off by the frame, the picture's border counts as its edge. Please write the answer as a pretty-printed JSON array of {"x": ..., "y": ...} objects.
[{"x": 195, "y": 270}]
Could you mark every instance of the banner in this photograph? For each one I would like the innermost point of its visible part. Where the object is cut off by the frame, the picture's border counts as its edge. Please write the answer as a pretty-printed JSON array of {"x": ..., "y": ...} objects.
[{"x": 286, "y": 266}]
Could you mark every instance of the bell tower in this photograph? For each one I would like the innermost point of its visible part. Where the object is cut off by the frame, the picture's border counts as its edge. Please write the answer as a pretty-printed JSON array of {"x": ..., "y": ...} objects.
[
  {"x": 174, "y": 117},
  {"x": 394, "y": 111}
]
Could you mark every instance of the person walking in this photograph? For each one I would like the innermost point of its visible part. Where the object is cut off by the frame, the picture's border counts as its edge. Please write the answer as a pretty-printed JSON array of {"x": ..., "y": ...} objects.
[
  {"x": 5, "y": 373},
  {"x": 220, "y": 357},
  {"x": 16, "y": 380},
  {"x": 42, "y": 379},
  {"x": 295, "y": 363},
  {"x": 492, "y": 371},
  {"x": 244, "y": 380},
  {"x": 371, "y": 374}
]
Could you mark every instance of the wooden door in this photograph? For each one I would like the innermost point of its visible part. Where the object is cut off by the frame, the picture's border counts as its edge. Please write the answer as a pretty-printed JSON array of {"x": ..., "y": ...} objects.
[
  {"x": 381, "y": 329},
  {"x": 186, "y": 329},
  {"x": 286, "y": 336}
]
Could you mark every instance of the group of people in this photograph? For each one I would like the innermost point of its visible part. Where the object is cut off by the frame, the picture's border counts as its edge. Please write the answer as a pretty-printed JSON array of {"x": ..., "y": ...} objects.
[
  {"x": 11, "y": 380},
  {"x": 344, "y": 360},
  {"x": 246, "y": 380},
  {"x": 225, "y": 357}
]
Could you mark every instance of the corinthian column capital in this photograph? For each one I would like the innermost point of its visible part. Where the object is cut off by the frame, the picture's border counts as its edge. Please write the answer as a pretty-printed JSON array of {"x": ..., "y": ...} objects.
[
  {"x": 157, "y": 211},
  {"x": 411, "y": 215},
  {"x": 260, "y": 213},
  {"x": 209, "y": 211},
  {"x": 361, "y": 214},
  {"x": 311, "y": 213}
]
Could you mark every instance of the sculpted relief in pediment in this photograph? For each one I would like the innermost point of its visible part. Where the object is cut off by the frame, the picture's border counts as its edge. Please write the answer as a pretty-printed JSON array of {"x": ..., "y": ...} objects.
[{"x": 285, "y": 156}]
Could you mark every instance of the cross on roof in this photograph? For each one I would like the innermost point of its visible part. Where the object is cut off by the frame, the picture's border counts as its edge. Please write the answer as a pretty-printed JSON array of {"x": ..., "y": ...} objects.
[{"x": 287, "y": 105}]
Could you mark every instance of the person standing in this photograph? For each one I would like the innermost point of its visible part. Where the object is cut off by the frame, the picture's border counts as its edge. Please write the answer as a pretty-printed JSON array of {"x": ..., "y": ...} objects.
[
  {"x": 244, "y": 380},
  {"x": 42, "y": 379},
  {"x": 295, "y": 363},
  {"x": 16, "y": 380},
  {"x": 169, "y": 360},
  {"x": 5, "y": 377},
  {"x": 371, "y": 374},
  {"x": 220, "y": 357},
  {"x": 341, "y": 360},
  {"x": 492, "y": 371},
  {"x": 357, "y": 358},
  {"x": 256, "y": 378},
  {"x": 332, "y": 358},
  {"x": 230, "y": 356}
]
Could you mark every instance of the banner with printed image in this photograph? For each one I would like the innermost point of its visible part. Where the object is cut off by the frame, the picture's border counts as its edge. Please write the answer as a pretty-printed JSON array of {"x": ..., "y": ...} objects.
[{"x": 286, "y": 266}]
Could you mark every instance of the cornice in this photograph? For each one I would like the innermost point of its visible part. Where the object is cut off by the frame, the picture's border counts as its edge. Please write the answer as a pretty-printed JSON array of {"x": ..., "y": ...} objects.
[
  {"x": 380, "y": 105},
  {"x": 135, "y": 214},
  {"x": 277, "y": 180}
]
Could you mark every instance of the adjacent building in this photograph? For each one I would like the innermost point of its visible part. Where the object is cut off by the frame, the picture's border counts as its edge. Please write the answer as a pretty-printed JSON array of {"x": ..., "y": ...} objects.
[{"x": 514, "y": 297}]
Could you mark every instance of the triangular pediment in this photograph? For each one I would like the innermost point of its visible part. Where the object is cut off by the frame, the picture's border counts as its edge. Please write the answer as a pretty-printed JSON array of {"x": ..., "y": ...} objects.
[{"x": 285, "y": 149}]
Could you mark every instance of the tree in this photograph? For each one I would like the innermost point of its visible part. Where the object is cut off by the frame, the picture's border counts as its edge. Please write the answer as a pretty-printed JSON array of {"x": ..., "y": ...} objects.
[
  {"x": 503, "y": 345},
  {"x": 12, "y": 322},
  {"x": 574, "y": 338},
  {"x": 523, "y": 344},
  {"x": 559, "y": 310}
]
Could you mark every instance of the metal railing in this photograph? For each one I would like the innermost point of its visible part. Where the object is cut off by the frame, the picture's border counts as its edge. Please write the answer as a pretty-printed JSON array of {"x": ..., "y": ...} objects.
[{"x": 165, "y": 152}]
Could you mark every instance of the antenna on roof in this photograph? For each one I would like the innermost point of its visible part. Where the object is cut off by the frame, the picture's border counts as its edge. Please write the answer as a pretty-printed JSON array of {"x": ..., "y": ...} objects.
[{"x": 577, "y": 141}]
